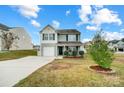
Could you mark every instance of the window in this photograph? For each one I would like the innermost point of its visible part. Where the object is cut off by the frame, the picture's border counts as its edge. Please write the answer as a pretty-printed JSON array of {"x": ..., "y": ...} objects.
[
  {"x": 45, "y": 36},
  {"x": 62, "y": 37},
  {"x": 51, "y": 36},
  {"x": 71, "y": 37}
]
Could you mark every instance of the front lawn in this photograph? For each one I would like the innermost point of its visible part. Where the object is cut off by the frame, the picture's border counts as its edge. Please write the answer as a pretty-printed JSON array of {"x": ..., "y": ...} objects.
[
  {"x": 16, "y": 54},
  {"x": 70, "y": 72}
]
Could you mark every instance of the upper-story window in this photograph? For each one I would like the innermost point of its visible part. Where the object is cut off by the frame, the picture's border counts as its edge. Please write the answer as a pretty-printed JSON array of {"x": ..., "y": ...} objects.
[
  {"x": 71, "y": 37},
  {"x": 48, "y": 36},
  {"x": 51, "y": 36},
  {"x": 45, "y": 36}
]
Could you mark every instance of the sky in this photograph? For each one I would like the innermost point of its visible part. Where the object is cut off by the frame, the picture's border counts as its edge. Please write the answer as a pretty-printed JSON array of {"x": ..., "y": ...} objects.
[{"x": 86, "y": 19}]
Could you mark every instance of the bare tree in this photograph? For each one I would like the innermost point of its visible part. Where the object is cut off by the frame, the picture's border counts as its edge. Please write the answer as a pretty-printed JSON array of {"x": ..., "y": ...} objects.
[{"x": 8, "y": 38}]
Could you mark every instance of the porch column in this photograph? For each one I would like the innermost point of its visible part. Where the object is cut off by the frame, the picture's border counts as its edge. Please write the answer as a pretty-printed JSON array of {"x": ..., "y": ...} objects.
[
  {"x": 63, "y": 49},
  {"x": 116, "y": 49}
]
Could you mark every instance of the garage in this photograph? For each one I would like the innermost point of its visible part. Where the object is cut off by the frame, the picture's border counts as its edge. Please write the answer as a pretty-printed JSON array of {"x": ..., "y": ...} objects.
[{"x": 48, "y": 51}]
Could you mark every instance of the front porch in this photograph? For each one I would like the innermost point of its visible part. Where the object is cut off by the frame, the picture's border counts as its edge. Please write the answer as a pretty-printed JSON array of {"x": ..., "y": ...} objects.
[{"x": 62, "y": 49}]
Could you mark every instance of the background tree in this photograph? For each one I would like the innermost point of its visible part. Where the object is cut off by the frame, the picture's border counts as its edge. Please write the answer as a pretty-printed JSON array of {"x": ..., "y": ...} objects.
[
  {"x": 100, "y": 52},
  {"x": 8, "y": 39}
]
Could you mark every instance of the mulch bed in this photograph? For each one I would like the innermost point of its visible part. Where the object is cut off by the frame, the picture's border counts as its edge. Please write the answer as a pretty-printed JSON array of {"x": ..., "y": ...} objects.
[
  {"x": 101, "y": 70},
  {"x": 73, "y": 57}
]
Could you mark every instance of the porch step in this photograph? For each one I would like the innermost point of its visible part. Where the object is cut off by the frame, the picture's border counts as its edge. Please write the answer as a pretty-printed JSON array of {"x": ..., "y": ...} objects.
[{"x": 59, "y": 57}]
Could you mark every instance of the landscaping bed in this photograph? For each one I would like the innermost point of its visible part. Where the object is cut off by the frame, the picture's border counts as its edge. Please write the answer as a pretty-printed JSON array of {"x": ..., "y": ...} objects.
[
  {"x": 73, "y": 57},
  {"x": 101, "y": 70}
]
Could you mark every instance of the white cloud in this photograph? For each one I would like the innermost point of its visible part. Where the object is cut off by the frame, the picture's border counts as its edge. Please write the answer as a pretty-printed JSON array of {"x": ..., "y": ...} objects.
[
  {"x": 99, "y": 6},
  {"x": 92, "y": 28},
  {"x": 35, "y": 23},
  {"x": 55, "y": 23},
  {"x": 122, "y": 30},
  {"x": 28, "y": 11},
  {"x": 79, "y": 23},
  {"x": 68, "y": 12},
  {"x": 84, "y": 12},
  {"x": 86, "y": 40},
  {"x": 97, "y": 15},
  {"x": 113, "y": 35},
  {"x": 106, "y": 16}
]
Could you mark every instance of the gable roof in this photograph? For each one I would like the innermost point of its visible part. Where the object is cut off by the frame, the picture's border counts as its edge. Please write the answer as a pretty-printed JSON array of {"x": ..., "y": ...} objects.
[
  {"x": 62, "y": 31},
  {"x": 46, "y": 27},
  {"x": 4, "y": 27}
]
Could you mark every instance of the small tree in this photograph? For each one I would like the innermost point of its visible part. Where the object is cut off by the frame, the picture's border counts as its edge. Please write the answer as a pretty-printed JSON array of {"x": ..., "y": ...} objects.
[
  {"x": 8, "y": 38},
  {"x": 100, "y": 52}
]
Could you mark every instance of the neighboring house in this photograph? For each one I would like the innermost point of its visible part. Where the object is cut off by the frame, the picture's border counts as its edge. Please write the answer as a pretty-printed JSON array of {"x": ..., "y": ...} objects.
[
  {"x": 23, "y": 43},
  {"x": 36, "y": 47},
  {"x": 2, "y": 28},
  {"x": 54, "y": 42},
  {"x": 117, "y": 45}
]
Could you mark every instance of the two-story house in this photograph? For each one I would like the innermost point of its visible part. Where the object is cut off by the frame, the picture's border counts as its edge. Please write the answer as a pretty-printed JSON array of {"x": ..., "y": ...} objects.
[{"x": 55, "y": 41}]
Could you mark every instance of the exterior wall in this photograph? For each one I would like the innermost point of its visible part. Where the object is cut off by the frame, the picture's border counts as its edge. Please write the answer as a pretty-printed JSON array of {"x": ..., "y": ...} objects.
[
  {"x": 1, "y": 42},
  {"x": 48, "y": 43},
  {"x": 24, "y": 42},
  {"x": 48, "y": 31}
]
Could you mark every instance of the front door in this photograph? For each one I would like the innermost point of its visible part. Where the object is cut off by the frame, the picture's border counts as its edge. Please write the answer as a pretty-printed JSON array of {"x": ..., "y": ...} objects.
[{"x": 60, "y": 50}]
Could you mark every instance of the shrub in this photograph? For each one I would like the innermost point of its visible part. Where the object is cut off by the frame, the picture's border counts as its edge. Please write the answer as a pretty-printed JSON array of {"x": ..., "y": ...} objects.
[
  {"x": 100, "y": 52},
  {"x": 66, "y": 53},
  {"x": 74, "y": 53},
  {"x": 81, "y": 53}
]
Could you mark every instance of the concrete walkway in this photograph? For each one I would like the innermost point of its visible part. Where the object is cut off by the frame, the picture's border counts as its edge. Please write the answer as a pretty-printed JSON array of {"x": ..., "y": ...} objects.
[{"x": 12, "y": 71}]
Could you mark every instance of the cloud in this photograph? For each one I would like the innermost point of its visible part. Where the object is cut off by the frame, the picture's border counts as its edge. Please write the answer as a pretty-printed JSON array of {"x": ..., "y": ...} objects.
[
  {"x": 97, "y": 15},
  {"x": 106, "y": 16},
  {"x": 113, "y": 35},
  {"x": 92, "y": 28},
  {"x": 55, "y": 23},
  {"x": 99, "y": 6},
  {"x": 122, "y": 30},
  {"x": 68, "y": 12},
  {"x": 86, "y": 40},
  {"x": 84, "y": 12},
  {"x": 35, "y": 23},
  {"x": 28, "y": 11}
]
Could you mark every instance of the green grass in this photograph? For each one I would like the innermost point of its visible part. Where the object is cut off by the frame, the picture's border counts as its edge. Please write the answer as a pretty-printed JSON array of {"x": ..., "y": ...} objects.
[
  {"x": 17, "y": 54},
  {"x": 70, "y": 72}
]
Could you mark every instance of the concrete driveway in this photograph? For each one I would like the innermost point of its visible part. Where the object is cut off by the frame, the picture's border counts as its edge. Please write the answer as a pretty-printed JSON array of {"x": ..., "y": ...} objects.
[{"x": 12, "y": 71}]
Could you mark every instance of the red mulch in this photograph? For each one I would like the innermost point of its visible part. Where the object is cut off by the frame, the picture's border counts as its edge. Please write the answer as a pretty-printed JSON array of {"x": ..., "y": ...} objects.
[
  {"x": 73, "y": 57},
  {"x": 99, "y": 68}
]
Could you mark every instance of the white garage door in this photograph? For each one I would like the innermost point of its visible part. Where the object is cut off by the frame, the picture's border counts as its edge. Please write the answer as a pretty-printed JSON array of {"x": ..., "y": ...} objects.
[{"x": 48, "y": 51}]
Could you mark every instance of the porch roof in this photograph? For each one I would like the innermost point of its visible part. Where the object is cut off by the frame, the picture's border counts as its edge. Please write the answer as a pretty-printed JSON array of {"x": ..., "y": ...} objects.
[{"x": 69, "y": 44}]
